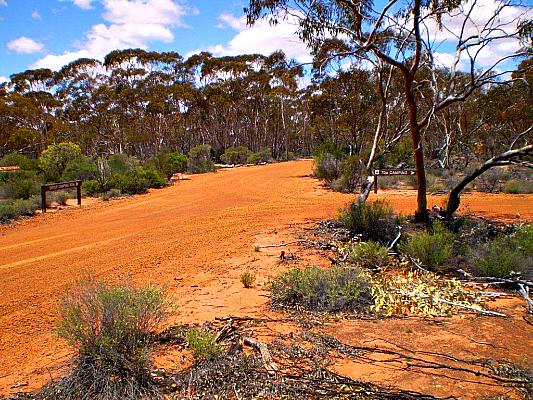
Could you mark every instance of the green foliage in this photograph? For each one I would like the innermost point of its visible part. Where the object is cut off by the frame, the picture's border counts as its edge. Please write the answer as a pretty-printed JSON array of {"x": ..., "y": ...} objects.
[
  {"x": 236, "y": 155},
  {"x": 505, "y": 254},
  {"x": 132, "y": 182},
  {"x": 62, "y": 198},
  {"x": 110, "y": 327},
  {"x": 11, "y": 209},
  {"x": 248, "y": 279},
  {"x": 55, "y": 159},
  {"x": 20, "y": 184},
  {"x": 92, "y": 187},
  {"x": 111, "y": 194},
  {"x": 25, "y": 163},
  {"x": 369, "y": 255},
  {"x": 203, "y": 344},
  {"x": 155, "y": 178},
  {"x": 264, "y": 155},
  {"x": 328, "y": 161},
  {"x": 200, "y": 159},
  {"x": 82, "y": 168},
  {"x": 171, "y": 163},
  {"x": 350, "y": 175},
  {"x": 372, "y": 220},
  {"x": 432, "y": 248},
  {"x": 338, "y": 288},
  {"x": 121, "y": 163},
  {"x": 517, "y": 186}
]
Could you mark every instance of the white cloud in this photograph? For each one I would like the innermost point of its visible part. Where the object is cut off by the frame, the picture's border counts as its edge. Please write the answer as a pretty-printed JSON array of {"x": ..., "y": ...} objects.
[
  {"x": 3, "y": 3},
  {"x": 35, "y": 14},
  {"x": 261, "y": 38},
  {"x": 25, "y": 45},
  {"x": 84, "y": 4},
  {"x": 3, "y": 79},
  {"x": 129, "y": 24}
]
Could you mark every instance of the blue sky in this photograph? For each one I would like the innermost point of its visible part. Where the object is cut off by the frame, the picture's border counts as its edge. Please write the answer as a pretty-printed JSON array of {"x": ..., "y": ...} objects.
[{"x": 50, "y": 33}]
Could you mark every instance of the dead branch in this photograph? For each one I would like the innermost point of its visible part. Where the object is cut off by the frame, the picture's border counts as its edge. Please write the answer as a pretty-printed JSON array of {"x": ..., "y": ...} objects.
[
  {"x": 269, "y": 364},
  {"x": 524, "y": 291},
  {"x": 283, "y": 244}
]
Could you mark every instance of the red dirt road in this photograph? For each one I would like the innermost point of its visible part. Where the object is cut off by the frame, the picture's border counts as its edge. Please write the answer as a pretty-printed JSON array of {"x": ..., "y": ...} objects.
[{"x": 194, "y": 237}]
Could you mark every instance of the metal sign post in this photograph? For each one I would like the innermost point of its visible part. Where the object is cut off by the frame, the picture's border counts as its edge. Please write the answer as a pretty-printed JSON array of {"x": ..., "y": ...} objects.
[
  {"x": 390, "y": 172},
  {"x": 59, "y": 186}
]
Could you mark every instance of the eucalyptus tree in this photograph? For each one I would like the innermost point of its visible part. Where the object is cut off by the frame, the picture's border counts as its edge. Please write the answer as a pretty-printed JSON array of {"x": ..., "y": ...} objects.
[{"x": 402, "y": 34}]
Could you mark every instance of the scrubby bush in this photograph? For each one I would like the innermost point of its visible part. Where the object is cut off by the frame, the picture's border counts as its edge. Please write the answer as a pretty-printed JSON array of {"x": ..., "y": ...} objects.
[
  {"x": 155, "y": 178},
  {"x": 133, "y": 182},
  {"x": 200, "y": 159},
  {"x": 111, "y": 194},
  {"x": 62, "y": 198},
  {"x": 517, "y": 186},
  {"x": 171, "y": 163},
  {"x": 338, "y": 288},
  {"x": 111, "y": 329},
  {"x": 203, "y": 344},
  {"x": 11, "y": 209},
  {"x": 25, "y": 163},
  {"x": 264, "y": 155},
  {"x": 235, "y": 155},
  {"x": 121, "y": 163},
  {"x": 489, "y": 181},
  {"x": 92, "y": 187},
  {"x": 248, "y": 279},
  {"x": 350, "y": 175},
  {"x": 55, "y": 159},
  {"x": 369, "y": 255},
  {"x": 328, "y": 167},
  {"x": 372, "y": 220},
  {"x": 82, "y": 169},
  {"x": 432, "y": 247},
  {"x": 20, "y": 184},
  {"x": 505, "y": 254}
]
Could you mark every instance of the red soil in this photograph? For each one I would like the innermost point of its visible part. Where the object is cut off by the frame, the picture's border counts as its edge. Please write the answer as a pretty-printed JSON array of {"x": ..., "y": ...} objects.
[{"x": 195, "y": 238}]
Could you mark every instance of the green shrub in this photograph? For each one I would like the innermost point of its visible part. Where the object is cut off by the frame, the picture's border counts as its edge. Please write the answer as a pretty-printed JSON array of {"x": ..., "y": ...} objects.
[
  {"x": 200, "y": 159},
  {"x": 11, "y": 209},
  {"x": 62, "y": 198},
  {"x": 235, "y": 155},
  {"x": 505, "y": 254},
  {"x": 25, "y": 163},
  {"x": 80, "y": 169},
  {"x": 121, "y": 163},
  {"x": 55, "y": 159},
  {"x": 328, "y": 167},
  {"x": 372, "y": 220},
  {"x": 111, "y": 329},
  {"x": 264, "y": 155},
  {"x": 203, "y": 344},
  {"x": 338, "y": 288},
  {"x": 517, "y": 186},
  {"x": 431, "y": 248},
  {"x": 350, "y": 175},
  {"x": 248, "y": 279},
  {"x": 370, "y": 255},
  {"x": 489, "y": 181},
  {"x": 133, "y": 182},
  {"x": 20, "y": 184},
  {"x": 92, "y": 187},
  {"x": 171, "y": 163},
  {"x": 111, "y": 194},
  {"x": 155, "y": 178}
]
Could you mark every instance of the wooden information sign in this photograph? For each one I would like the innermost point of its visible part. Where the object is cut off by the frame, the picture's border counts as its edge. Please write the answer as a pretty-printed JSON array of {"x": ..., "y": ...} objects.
[
  {"x": 390, "y": 172},
  {"x": 60, "y": 186},
  {"x": 10, "y": 168}
]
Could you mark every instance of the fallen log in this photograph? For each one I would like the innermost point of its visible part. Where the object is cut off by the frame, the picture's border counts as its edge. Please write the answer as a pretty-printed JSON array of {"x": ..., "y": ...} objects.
[{"x": 268, "y": 363}]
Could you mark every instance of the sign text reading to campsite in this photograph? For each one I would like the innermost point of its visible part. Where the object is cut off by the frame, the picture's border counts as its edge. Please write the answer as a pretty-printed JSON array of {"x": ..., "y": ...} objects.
[
  {"x": 60, "y": 186},
  {"x": 9, "y": 168},
  {"x": 392, "y": 171}
]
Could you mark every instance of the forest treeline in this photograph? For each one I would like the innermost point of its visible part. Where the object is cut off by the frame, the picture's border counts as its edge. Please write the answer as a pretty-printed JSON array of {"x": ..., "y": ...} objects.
[{"x": 142, "y": 103}]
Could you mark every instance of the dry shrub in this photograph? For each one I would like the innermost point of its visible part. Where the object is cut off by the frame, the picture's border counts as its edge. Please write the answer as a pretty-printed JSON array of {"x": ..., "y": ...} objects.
[
  {"x": 248, "y": 279},
  {"x": 203, "y": 344},
  {"x": 111, "y": 328}
]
